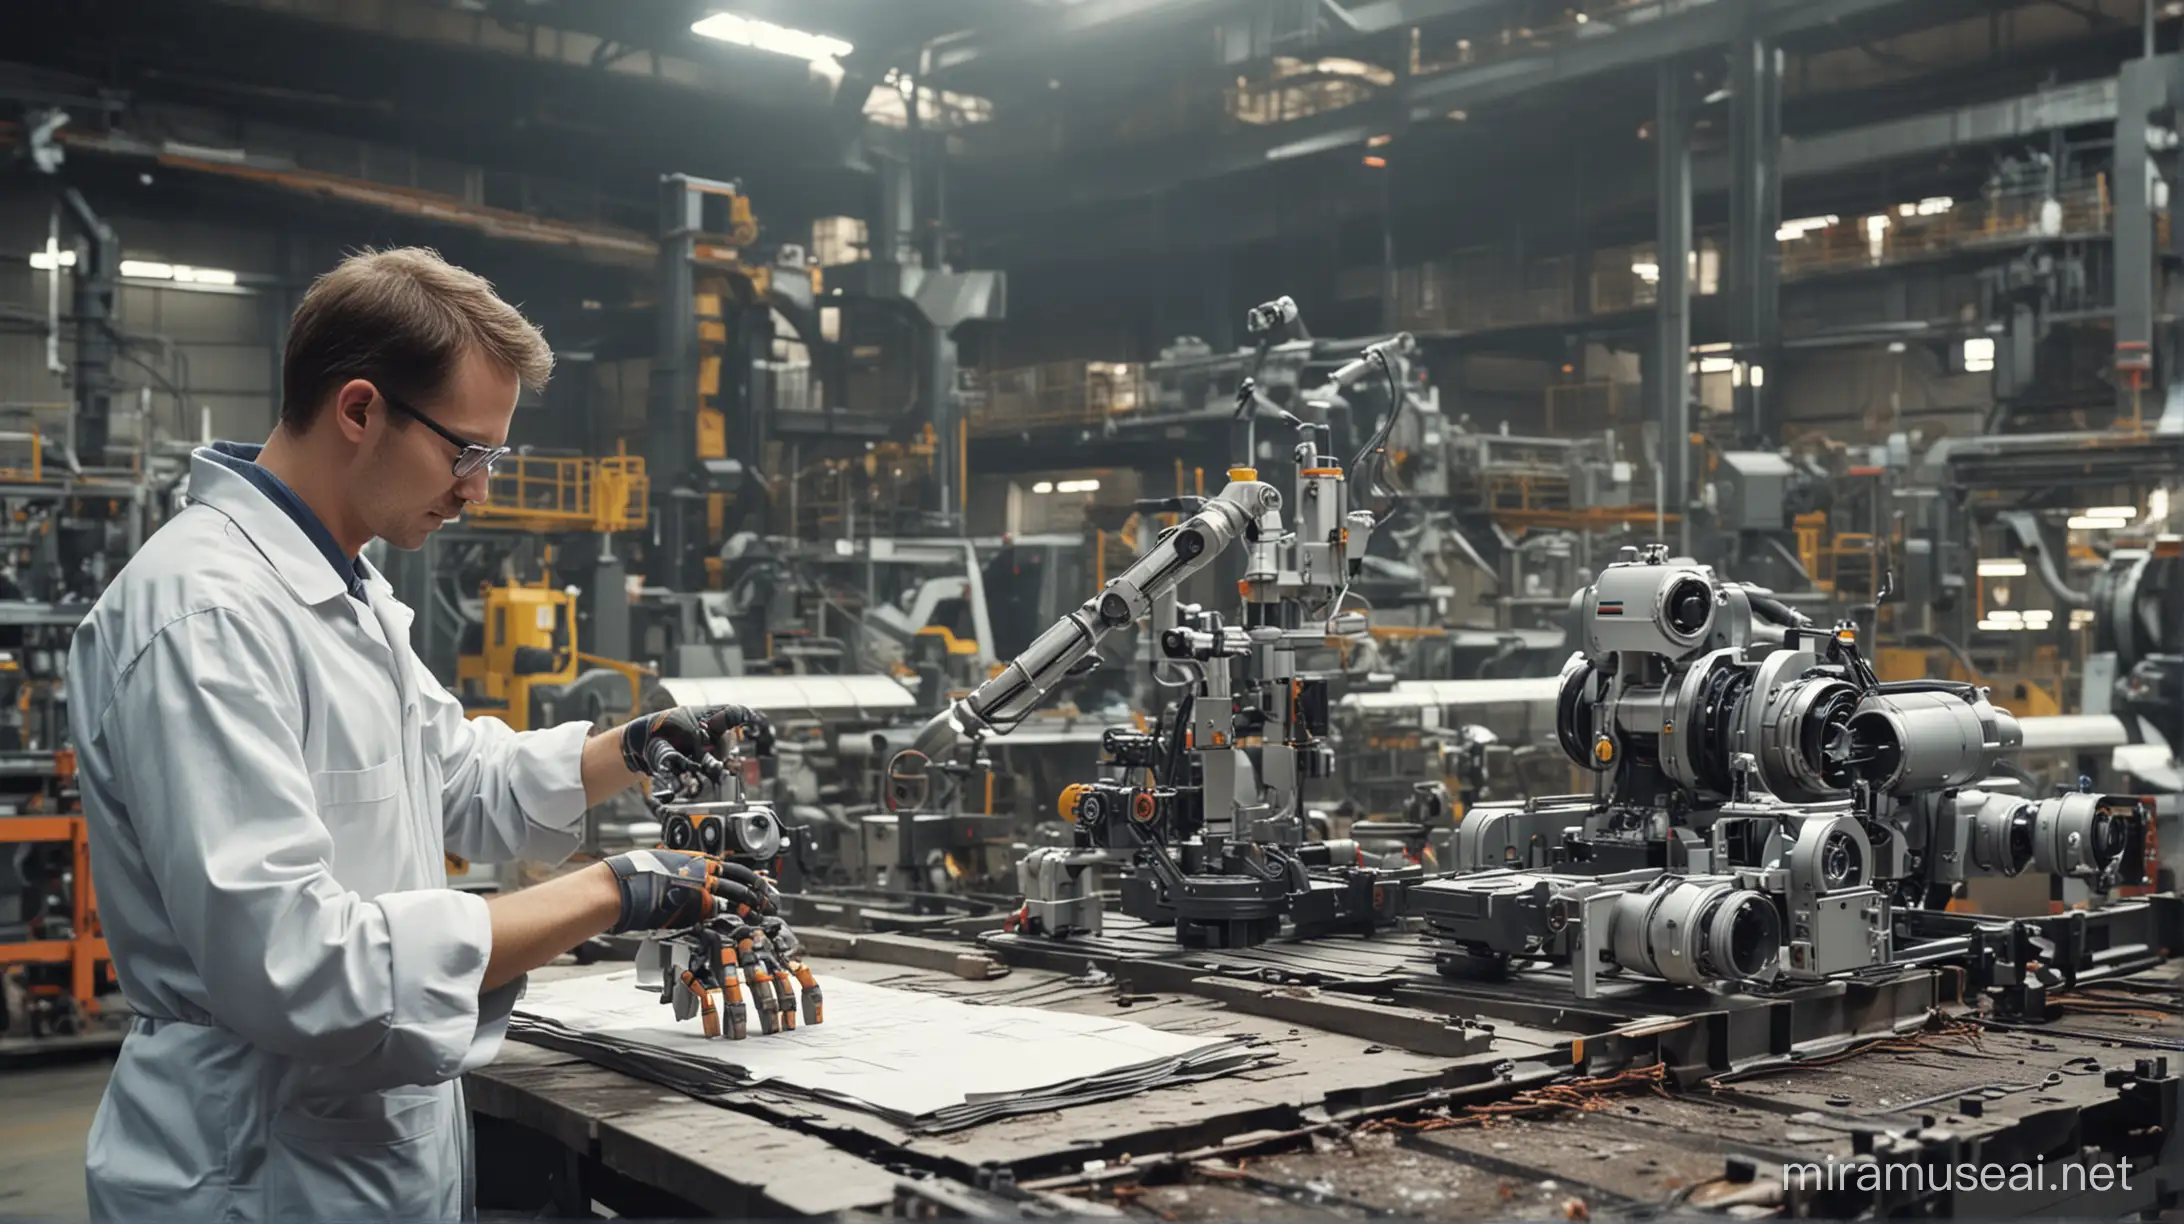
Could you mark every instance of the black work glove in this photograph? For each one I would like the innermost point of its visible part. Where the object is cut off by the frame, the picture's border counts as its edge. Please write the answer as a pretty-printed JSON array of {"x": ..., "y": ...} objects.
[
  {"x": 677, "y": 743},
  {"x": 671, "y": 890}
]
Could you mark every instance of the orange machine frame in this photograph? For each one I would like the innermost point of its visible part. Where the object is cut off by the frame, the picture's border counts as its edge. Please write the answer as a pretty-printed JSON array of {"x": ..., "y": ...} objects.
[{"x": 84, "y": 953}]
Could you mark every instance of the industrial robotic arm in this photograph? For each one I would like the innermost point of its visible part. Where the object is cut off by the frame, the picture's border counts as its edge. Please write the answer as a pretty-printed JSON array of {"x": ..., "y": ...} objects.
[{"x": 1244, "y": 509}]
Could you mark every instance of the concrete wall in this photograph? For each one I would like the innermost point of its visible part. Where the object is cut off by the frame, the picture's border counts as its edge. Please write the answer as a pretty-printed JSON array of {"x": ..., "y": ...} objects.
[
  {"x": 1866, "y": 394},
  {"x": 221, "y": 350}
]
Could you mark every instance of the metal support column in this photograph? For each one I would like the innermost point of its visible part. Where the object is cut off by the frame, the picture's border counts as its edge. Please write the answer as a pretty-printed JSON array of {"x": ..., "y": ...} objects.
[
  {"x": 96, "y": 286},
  {"x": 672, "y": 395},
  {"x": 2141, "y": 89},
  {"x": 1755, "y": 213},
  {"x": 1668, "y": 380}
]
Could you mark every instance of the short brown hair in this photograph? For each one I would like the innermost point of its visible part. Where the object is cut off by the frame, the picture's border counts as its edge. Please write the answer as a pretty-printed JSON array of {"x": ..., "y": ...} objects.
[{"x": 401, "y": 318}]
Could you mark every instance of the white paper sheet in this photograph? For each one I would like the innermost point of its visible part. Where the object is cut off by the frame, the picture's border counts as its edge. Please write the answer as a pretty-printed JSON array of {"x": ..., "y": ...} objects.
[{"x": 902, "y": 1053}]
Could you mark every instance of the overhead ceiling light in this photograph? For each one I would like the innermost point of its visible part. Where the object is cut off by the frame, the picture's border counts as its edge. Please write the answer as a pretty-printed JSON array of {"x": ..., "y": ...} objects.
[
  {"x": 1979, "y": 354},
  {"x": 44, "y": 261},
  {"x": 1717, "y": 365},
  {"x": 1791, "y": 231},
  {"x": 1759, "y": 376},
  {"x": 1377, "y": 163},
  {"x": 1044, "y": 486},
  {"x": 2087, "y": 522},
  {"x": 1077, "y": 486},
  {"x": 1377, "y": 141},
  {"x": 2126, "y": 513},
  {"x": 181, "y": 274},
  {"x": 1647, "y": 272},
  {"x": 766, "y": 36},
  {"x": 2002, "y": 567}
]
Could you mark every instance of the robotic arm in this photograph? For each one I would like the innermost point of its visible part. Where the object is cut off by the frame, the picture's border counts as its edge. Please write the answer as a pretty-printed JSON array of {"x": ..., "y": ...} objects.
[{"x": 1243, "y": 507}]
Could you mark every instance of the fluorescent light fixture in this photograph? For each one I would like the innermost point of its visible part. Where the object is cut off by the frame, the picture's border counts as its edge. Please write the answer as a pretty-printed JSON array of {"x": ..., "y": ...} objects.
[
  {"x": 1077, "y": 486},
  {"x": 1044, "y": 486},
  {"x": 1979, "y": 354},
  {"x": 2117, "y": 512},
  {"x": 1717, "y": 365},
  {"x": 1895, "y": 346},
  {"x": 1650, "y": 273},
  {"x": 1932, "y": 206},
  {"x": 1995, "y": 626},
  {"x": 2086, "y": 522},
  {"x": 1791, "y": 231},
  {"x": 1318, "y": 144},
  {"x": 2157, "y": 505},
  {"x": 2080, "y": 617},
  {"x": 766, "y": 36},
  {"x": 1722, "y": 347},
  {"x": 2006, "y": 615},
  {"x": 1759, "y": 376},
  {"x": 141, "y": 269},
  {"x": 2002, "y": 567},
  {"x": 181, "y": 274}
]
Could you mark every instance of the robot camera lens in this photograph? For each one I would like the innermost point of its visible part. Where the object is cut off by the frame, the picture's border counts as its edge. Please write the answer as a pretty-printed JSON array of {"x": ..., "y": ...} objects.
[
  {"x": 677, "y": 833},
  {"x": 1689, "y": 606},
  {"x": 1755, "y": 937}
]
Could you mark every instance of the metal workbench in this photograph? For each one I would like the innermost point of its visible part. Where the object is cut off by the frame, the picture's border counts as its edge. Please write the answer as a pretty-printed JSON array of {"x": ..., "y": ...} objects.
[{"x": 1391, "y": 1102}]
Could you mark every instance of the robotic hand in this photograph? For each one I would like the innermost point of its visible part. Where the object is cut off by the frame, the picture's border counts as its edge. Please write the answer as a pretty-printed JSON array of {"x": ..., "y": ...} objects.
[
  {"x": 677, "y": 747},
  {"x": 705, "y": 975},
  {"x": 669, "y": 890}
]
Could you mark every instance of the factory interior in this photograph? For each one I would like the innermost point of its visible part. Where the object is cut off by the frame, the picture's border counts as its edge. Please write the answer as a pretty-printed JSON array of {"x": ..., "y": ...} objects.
[{"x": 1439, "y": 609}]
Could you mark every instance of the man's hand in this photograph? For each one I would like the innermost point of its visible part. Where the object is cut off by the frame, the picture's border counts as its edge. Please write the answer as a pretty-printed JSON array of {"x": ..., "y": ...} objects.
[
  {"x": 682, "y": 742},
  {"x": 669, "y": 890}
]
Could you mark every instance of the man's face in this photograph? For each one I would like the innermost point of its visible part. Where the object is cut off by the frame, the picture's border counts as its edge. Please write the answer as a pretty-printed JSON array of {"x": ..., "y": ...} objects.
[{"x": 407, "y": 488}]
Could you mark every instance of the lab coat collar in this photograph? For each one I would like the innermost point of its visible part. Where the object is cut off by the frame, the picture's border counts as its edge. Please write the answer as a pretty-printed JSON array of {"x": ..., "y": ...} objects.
[{"x": 300, "y": 564}]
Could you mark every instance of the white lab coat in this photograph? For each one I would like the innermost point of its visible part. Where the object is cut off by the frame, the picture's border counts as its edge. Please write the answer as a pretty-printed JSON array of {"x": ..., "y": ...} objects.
[{"x": 270, "y": 777}]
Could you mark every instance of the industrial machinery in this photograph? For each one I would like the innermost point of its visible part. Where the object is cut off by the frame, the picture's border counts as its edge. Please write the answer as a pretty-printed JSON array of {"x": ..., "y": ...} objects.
[
  {"x": 1763, "y": 805},
  {"x": 1207, "y": 841},
  {"x": 521, "y": 663},
  {"x": 704, "y": 971}
]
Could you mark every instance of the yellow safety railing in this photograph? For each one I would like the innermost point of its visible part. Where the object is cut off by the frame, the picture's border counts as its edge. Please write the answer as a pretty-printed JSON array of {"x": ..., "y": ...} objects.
[
  {"x": 530, "y": 493},
  {"x": 1056, "y": 393},
  {"x": 1876, "y": 239},
  {"x": 31, "y": 472}
]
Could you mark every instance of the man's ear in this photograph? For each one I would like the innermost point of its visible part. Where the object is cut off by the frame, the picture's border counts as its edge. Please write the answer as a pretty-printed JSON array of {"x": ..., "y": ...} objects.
[{"x": 352, "y": 408}]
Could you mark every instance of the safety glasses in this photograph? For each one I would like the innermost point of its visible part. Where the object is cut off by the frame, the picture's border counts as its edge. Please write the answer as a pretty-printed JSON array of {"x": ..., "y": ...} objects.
[{"x": 470, "y": 457}]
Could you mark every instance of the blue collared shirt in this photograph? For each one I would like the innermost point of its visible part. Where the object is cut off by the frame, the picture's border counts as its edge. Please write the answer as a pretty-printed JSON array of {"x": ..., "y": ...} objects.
[{"x": 242, "y": 459}]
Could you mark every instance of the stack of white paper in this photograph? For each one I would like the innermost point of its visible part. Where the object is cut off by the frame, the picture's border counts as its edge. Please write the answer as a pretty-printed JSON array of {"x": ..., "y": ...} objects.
[{"x": 923, "y": 1062}]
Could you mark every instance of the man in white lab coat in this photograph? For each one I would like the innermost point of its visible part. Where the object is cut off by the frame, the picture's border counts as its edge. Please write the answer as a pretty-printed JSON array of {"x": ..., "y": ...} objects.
[{"x": 271, "y": 778}]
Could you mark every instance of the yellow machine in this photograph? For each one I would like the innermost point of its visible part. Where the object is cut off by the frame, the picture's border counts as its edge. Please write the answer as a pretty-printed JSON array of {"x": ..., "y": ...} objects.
[
  {"x": 528, "y": 640},
  {"x": 523, "y": 659}
]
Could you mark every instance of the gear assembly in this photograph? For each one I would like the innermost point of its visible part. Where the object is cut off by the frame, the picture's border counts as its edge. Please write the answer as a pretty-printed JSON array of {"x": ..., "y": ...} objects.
[{"x": 1763, "y": 808}]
